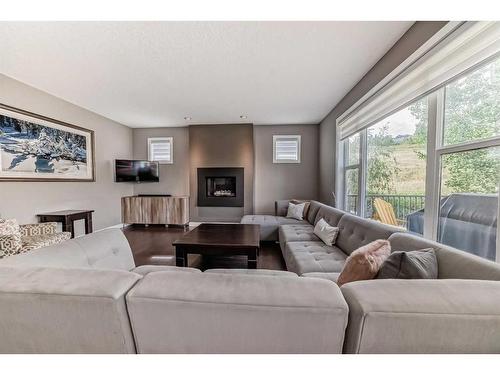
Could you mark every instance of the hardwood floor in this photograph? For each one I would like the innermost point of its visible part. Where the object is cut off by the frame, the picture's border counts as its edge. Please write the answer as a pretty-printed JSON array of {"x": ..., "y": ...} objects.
[{"x": 153, "y": 245}]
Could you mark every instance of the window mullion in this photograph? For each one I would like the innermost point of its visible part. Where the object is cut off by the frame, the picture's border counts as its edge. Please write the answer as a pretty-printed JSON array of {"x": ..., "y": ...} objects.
[
  {"x": 433, "y": 164},
  {"x": 362, "y": 172}
]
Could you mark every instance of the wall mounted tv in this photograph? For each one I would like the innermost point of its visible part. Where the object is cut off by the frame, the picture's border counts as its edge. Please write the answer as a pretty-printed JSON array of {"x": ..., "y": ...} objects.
[{"x": 137, "y": 171}]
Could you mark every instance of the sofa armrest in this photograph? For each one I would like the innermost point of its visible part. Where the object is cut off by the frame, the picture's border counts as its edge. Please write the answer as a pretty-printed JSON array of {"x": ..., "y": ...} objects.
[
  {"x": 38, "y": 229},
  {"x": 423, "y": 316},
  {"x": 281, "y": 207}
]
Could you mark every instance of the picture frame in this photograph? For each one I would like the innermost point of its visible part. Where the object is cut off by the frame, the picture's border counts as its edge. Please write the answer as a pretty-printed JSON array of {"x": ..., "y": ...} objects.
[{"x": 39, "y": 148}]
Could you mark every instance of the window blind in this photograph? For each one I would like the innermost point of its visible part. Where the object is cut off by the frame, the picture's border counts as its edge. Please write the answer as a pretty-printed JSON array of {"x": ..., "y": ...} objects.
[
  {"x": 467, "y": 46},
  {"x": 160, "y": 149},
  {"x": 286, "y": 149}
]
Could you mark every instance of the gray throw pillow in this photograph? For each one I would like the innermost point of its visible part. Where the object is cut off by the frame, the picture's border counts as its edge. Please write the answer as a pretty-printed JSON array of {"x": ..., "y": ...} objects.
[{"x": 417, "y": 264}]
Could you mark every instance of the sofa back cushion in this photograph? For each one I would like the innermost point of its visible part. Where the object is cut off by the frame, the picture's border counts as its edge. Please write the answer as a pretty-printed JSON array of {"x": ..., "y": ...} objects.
[
  {"x": 67, "y": 254},
  {"x": 107, "y": 249},
  {"x": 174, "y": 312},
  {"x": 55, "y": 310},
  {"x": 355, "y": 232},
  {"x": 452, "y": 263},
  {"x": 314, "y": 207},
  {"x": 281, "y": 207},
  {"x": 331, "y": 215}
]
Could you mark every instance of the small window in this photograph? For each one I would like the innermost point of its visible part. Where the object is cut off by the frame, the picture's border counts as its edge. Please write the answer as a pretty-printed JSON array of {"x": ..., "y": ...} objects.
[
  {"x": 161, "y": 150},
  {"x": 286, "y": 148}
]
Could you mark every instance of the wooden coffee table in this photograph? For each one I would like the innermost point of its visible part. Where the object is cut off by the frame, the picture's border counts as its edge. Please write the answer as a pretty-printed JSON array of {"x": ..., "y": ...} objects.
[{"x": 219, "y": 239}]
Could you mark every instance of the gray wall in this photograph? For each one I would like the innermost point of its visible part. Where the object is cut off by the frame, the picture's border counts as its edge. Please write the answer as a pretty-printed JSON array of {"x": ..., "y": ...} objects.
[
  {"x": 174, "y": 178},
  {"x": 228, "y": 145},
  {"x": 417, "y": 35},
  {"x": 284, "y": 181},
  {"x": 22, "y": 200}
]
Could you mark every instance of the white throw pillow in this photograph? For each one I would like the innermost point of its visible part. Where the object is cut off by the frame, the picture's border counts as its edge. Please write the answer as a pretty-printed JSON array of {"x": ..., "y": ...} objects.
[
  {"x": 296, "y": 211},
  {"x": 326, "y": 232}
]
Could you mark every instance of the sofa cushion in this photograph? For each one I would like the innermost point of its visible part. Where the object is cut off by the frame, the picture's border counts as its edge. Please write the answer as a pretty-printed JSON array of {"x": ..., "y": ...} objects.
[
  {"x": 55, "y": 310},
  {"x": 174, "y": 312},
  {"x": 68, "y": 254},
  {"x": 331, "y": 215},
  {"x": 332, "y": 276},
  {"x": 313, "y": 256},
  {"x": 144, "y": 270},
  {"x": 452, "y": 263},
  {"x": 296, "y": 232},
  {"x": 314, "y": 207},
  {"x": 326, "y": 232},
  {"x": 416, "y": 264},
  {"x": 423, "y": 316},
  {"x": 269, "y": 224},
  {"x": 365, "y": 262},
  {"x": 296, "y": 211},
  {"x": 355, "y": 232},
  {"x": 246, "y": 271}
]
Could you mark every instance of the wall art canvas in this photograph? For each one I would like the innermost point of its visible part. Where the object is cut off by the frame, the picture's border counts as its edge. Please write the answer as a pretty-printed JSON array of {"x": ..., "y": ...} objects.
[{"x": 37, "y": 148}]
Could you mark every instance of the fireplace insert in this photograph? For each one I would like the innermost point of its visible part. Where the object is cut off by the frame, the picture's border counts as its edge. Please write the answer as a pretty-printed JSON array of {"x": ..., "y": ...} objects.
[{"x": 220, "y": 187}]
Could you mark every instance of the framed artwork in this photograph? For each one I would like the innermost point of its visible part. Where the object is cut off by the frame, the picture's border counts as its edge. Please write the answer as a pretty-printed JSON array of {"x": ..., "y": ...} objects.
[{"x": 38, "y": 148}]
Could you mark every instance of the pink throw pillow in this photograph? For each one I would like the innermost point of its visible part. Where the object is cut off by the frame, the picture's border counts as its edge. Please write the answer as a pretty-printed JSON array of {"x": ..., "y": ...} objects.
[{"x": 364, "y": 263}]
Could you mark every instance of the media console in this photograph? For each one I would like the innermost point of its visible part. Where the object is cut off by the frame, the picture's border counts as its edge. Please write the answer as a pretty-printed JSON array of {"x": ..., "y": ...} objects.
[{"x": 155, "y": 209}]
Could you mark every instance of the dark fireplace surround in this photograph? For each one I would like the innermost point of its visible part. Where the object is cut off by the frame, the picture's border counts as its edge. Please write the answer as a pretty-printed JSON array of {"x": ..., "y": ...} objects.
[{"x": 220, "y": 187}]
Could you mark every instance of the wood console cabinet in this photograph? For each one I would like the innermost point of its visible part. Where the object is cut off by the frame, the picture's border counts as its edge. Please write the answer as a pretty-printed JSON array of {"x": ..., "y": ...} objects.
[{"x": 155, "y": 210}]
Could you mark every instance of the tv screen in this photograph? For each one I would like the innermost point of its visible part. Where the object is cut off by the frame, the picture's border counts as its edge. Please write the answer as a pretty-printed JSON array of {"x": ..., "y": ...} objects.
[{"x": 136, "y": 171}]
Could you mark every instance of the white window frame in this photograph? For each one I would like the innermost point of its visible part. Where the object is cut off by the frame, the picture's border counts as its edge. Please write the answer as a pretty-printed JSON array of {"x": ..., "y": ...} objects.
[
  {"x": 299, "y": 149},
  {"x": 160, "y": 139},
  {"x": 435, "y": 151}
]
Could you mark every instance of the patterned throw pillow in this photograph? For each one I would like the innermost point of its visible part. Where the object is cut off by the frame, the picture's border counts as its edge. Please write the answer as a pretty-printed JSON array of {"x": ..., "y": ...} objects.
[
  {"x": 10, "y": 237},
  {"x": 38, "y": 229},
  {"x": 8, "y": 227},
  {"x": 10, "y": 245}
]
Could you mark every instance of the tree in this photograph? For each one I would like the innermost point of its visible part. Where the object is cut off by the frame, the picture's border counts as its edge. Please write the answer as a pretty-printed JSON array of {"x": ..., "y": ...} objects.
[
  {"x": 472, "y": 111},
  {"x": 382, "y": 166}
]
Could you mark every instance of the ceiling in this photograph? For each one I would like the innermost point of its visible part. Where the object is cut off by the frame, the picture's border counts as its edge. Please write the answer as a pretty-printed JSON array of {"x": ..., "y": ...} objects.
[{"x": 152, "y": 74}]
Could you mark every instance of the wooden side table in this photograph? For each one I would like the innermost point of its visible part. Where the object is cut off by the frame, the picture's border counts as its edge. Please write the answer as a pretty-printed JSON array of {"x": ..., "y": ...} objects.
[{"x": 67, "y": 218}]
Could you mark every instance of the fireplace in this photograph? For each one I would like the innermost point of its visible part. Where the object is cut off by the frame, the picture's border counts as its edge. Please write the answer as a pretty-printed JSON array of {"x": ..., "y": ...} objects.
[{"x": 220, "y": 187}]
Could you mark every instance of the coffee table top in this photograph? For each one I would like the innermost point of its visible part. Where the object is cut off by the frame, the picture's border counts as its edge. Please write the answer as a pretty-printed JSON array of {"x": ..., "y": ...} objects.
[{"x": 222, "y": 235}]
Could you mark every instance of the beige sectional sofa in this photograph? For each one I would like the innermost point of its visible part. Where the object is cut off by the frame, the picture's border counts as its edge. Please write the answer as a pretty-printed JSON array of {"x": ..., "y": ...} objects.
[
  {"x": 457, "y": 313},
  {"x": 87, "y": 296}
]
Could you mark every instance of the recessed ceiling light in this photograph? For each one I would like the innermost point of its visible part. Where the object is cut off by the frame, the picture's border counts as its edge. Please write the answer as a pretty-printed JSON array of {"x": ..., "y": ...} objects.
[
  {"x": 243, "y": 117},
  {"x": 187, "y": 118}
]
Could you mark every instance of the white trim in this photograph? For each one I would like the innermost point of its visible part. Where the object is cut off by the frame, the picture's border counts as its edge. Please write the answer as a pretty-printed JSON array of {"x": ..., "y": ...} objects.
[
  {"x": 287, "y": 161},
  {"x": 169, "y": 140}
]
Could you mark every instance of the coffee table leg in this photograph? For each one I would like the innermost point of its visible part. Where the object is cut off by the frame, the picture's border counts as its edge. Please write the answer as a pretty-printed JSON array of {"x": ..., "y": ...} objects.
[
  {"x": 252, "y": 259},
  {"x": 180, "y": 257}
]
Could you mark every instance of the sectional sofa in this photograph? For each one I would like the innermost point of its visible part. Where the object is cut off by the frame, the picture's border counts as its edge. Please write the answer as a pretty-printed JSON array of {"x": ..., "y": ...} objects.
[
  {"x": 458, "y": 313},
  {"x": 87, "y": 296}
]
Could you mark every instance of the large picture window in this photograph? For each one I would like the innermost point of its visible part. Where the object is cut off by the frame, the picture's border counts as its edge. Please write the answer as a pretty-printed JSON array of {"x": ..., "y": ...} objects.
[{"x": 433, "y": 166}]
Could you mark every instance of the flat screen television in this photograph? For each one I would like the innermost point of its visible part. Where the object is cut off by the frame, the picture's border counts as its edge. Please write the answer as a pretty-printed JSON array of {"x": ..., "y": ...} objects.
[{"x": 137, "y": 171}]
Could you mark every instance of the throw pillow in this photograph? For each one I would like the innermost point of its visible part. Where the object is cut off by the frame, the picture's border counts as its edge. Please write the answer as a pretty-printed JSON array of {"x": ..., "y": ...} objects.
[
  {"x": 295, "y": 211},
  {"x": 8, "y": 227},
  {"x": 306, "y": 207},
  {"x": 418, "y": 264},
  {"x": 326, "y": 232},
  {"x": 10, "y": 244},
  {"x": 365, "y": 262}
]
